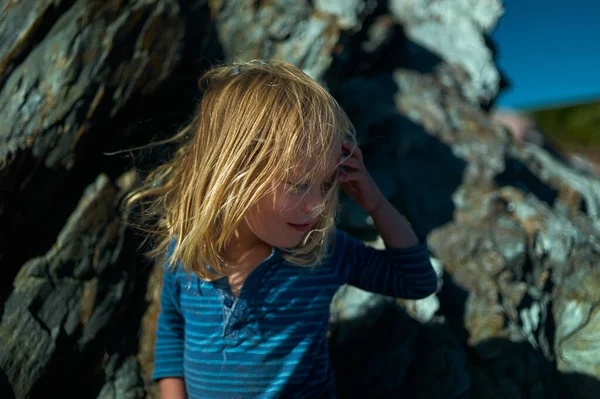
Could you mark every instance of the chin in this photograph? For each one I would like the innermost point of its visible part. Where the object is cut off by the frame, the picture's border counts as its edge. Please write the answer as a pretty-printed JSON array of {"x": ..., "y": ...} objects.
[{"x": 291, "y": 242}]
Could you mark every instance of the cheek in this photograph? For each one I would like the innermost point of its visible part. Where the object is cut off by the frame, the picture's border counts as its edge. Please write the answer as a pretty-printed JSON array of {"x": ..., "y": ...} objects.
[
  {"x": 287, "y": 206},
  {"x": 282, "y": 203},
  {"x": 270, "y": 212}
]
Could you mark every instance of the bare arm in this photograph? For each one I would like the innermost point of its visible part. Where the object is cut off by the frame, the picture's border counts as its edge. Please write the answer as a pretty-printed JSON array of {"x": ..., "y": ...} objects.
[
  {"x": 172, "y": 388},
  {"x": 392, "y": 226},
  {"x": 403, "y": 269},
  {"x": 358, "y": 184}
]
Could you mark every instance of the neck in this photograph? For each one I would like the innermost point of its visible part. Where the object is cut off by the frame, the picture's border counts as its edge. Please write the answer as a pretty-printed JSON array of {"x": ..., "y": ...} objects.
[{"x": 245, "y": 250}]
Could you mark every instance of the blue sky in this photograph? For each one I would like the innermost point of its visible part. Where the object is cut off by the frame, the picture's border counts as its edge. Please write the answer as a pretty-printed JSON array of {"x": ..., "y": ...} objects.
[{"x": 550, "y": 51}]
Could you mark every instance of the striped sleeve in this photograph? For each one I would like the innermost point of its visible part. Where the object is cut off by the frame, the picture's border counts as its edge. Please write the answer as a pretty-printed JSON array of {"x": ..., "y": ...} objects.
[
  {"x": 398, "y": 272},
  {"x": 168, "y": 351}
]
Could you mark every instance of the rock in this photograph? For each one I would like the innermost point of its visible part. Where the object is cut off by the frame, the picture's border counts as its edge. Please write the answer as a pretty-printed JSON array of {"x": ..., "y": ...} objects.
[
  {"x": 124, "y": 382},
  {"x": 349, "y": 13},
  {"x": 90, "y": 63},
  {"x": 425, "y": 310},
  {"x": 63, "y": 302},
  {"x": 148, "y": 327},
  {"x": 522, "y": 127},
  {"x": 371, "y": 356},
  {"x": 455, "y": 32},
  {"x": 505, "y": 369},
  {"x": 287, "y": 30},
  {"x": 511, "y": 247},
  {"x": 22, "y": 23},
  {"x": 388, "y": 354},
  {"x": 518, "y": 218},
  {"x": 68, "y": 69}
]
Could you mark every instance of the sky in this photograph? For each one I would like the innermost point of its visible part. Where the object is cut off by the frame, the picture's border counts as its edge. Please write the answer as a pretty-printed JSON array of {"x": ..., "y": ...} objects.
[{"x": 550, "y": 52}]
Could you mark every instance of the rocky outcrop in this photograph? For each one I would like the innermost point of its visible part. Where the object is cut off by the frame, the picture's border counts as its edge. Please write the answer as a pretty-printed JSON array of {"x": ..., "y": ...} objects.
[
  {"x": 456, "y": 32},
  {"x": 78, "y": 79},
  {"x": 64, "y": 304},
  {"x": 67, "y": 70},
  {"x": 513, "y": 229}
]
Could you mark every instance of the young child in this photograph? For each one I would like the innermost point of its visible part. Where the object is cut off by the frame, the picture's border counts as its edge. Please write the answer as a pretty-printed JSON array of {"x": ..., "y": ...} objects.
[{"x": 247, "y": 211}]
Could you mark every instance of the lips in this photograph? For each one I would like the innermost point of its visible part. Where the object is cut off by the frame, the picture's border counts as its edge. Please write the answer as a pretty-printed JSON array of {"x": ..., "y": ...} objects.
[{"x": 299, "y": 227}]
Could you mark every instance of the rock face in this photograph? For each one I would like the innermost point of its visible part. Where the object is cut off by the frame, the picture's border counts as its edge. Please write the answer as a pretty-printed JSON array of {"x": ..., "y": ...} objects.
[
  {"x": 67, "y": 69},
  {"x": 289, "y": 30},
  {"x": 90, "y": 63},
  {"x": 64, "y": 303},
  {"x": 456, "y": 33},
  {"x": 514, "y": 231}
]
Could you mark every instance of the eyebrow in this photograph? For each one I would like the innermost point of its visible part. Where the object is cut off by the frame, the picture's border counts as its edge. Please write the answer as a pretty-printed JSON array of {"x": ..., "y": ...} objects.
[{"x": 329, "y": 178}]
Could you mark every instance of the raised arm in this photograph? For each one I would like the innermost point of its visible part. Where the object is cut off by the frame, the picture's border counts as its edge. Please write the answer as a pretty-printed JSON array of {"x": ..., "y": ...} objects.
[
  {"x": 403, "y": 269},
  {"x": 398, "y": 272}
]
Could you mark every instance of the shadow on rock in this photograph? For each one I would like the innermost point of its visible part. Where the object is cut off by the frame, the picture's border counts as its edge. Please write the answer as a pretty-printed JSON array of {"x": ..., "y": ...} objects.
[
  {"x": 517, "y": 174},
  {"x": 503, "y": 369},
  {"x": 453, "y": 300},
  {"x": 404, "y": 159},
  {"x": 6, "y": 390},
  {"x": 395, "y": 356}
]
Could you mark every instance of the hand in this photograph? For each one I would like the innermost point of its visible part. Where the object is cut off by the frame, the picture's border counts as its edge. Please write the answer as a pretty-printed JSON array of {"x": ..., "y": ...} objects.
[
  {"x": 356, "y": 181},
  {"x": 172, "y": 388}
]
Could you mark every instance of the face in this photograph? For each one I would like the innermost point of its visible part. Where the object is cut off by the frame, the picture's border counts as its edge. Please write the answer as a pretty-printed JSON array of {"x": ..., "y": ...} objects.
[{"x": 282, "y": 219}]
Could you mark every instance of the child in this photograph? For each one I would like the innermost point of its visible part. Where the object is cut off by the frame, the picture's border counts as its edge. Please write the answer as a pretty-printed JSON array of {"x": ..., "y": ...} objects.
[{"x": 248, "y": 208}]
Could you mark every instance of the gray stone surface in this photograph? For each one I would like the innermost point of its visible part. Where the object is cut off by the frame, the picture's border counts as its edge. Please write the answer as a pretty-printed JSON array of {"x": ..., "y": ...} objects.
[
  {"x": 124, "y": 382},
  {"x": 455, "y": 32},
  {"x": 285, "y": 29},
  {"x": 89, "y": 64},
  {"x": 64, "y": 301}
]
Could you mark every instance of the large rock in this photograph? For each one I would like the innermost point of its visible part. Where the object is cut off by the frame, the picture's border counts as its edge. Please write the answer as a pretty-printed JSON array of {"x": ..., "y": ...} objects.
[
  {"x": 124, "y": 381},
  {"x": 285, "y": 29},
  {"x": 87, "y": 66},
  {"x": 523, "y": 236},
  {"x": 515, "y": 227},
  {"x": 56, "y": 320},
  {"x": 386, "y": 353},
  {"x": 67, "y": 71},
  {"x": 456, "y": 32}
]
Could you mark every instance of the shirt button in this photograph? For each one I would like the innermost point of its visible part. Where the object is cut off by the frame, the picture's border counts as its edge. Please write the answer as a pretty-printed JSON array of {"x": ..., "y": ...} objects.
[{"x": 228, "y": 302}]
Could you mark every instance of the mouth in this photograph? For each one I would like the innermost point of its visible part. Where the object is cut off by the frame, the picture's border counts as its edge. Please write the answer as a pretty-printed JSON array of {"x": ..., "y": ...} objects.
[{"x": 299, "y": 227}]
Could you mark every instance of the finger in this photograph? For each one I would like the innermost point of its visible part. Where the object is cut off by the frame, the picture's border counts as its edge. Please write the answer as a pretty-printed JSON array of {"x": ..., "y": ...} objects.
[
  {"x": 352, "y": 163},
  {"x": 358, "y": 153},
  {"x": 351, "y": 187},
  {"x": 350, "y": 176},
  {"x": 352, "y": 150}
]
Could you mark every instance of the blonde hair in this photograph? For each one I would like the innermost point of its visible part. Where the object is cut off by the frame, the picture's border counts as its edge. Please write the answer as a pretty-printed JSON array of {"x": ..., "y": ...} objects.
[{"x": 256, "y": 123}]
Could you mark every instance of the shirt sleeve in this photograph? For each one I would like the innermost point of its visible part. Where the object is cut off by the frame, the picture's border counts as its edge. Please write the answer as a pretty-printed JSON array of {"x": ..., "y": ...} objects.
[
  {"x": 168, "y": 350},
  {"x": 398, "y": 272}
]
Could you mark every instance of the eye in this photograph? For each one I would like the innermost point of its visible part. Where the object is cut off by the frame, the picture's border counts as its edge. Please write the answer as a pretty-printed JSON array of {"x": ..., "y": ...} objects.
[
  {"x": 326, "y": 187},
  {"x": 328, "y": 184},
  {"x": 298, "y": 188}
]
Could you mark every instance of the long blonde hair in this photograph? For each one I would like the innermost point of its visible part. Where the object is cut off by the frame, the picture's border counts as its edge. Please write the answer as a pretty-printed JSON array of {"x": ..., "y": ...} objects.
[{"x": 257, "y": 121}]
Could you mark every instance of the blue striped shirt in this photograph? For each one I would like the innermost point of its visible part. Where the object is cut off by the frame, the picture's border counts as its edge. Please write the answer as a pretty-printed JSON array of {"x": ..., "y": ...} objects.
[{"x": 270, "y": 341}]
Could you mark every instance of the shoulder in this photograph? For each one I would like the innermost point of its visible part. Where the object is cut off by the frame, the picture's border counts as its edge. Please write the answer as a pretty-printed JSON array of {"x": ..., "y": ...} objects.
[
  {"x": 171, "y": 247},
  {"x": 343, "y": 238},
  {"x": 338, "y": 236},
  {"x": 170, "y": 265},
  {"x": 341, "y": 242}
]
